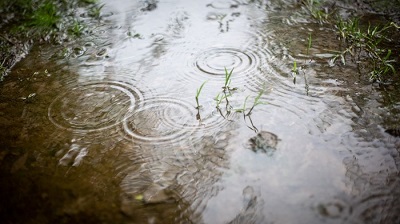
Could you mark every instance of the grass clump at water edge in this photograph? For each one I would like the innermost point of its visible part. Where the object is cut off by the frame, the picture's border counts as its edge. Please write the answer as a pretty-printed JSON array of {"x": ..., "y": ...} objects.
[
  {"x": 26, "y": 22},
  {"x": 198, "y": 91},
  {"x": 255, "y": 103},
  {"x": 228, "y": 80},
  {"x": 368, "y": 45},
  {"x": 223, "y": 97}
]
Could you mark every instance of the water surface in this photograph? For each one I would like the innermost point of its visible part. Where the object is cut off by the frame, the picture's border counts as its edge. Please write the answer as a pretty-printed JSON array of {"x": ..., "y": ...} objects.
[{"x": 106, "y": 129}]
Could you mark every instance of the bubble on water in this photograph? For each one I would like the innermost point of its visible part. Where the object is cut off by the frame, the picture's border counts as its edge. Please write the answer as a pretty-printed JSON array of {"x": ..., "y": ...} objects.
[
  {"x": 334, "y": 209},
  {"x": 79, "y": 51},
  {"x": 102, "y": 52}
]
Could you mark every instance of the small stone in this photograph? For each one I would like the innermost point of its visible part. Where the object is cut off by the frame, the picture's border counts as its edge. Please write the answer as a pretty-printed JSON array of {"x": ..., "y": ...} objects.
[
  {"x": 156, "y": 193},
  {"x": 264, "y": 141}
]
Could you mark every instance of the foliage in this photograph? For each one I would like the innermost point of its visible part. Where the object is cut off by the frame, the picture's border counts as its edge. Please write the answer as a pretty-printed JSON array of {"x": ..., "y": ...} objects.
[
  {"x": 39, "y": 18},
  {"x": 89, "y": 1},
  {"x": 228, "y": 80},
  {"x": 314, "y": 7},
  {"x": 95, "y": 11},
  {"x": 223, "y": 103},
  {"x": 76, "y": 28},
  {"x": 367, "y": 45},
  {"x": 198, "y": 91},
  {"x": 45, "y": 17},
  {"x": 309, "y": 44},
  {"x": 255, "y": 103},
  {"x": 295, "y": 71},
  {"x": 30, "y": 21}
]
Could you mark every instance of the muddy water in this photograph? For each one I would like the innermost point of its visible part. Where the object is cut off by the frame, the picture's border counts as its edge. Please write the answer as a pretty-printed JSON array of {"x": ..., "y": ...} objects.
[{"x": 106, "y": 130}]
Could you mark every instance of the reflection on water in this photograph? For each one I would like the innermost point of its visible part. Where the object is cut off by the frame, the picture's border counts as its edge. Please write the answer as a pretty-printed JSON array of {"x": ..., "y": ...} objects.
[{"x": 106, "y": 129}]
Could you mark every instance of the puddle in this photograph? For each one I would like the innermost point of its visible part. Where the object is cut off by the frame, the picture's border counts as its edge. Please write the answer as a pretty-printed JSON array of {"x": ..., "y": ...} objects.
[{"x": 107, "y": 130}]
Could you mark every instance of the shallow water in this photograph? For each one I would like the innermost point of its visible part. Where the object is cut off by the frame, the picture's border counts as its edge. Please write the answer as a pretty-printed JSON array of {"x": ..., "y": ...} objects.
[{"x": 106, "y": 129}]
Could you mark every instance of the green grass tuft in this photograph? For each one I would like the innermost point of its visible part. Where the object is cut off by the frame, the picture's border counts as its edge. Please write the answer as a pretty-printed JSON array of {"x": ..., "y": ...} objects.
[{"x": 198, "y": 91}]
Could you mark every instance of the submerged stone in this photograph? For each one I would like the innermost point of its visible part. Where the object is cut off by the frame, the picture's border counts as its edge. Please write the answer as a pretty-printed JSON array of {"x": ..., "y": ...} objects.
[
  {"x": 156, "y": 193},
  {"x": 393, "y": 131},
  {"x": 150, "y": 6},
  {"x": 264, "y": 141}
]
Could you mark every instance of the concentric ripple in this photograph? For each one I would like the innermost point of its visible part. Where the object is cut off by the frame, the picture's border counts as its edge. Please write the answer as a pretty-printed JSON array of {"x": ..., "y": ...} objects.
[
  {"x": 93, "y": 106},
  {"x": 215, "y": 60},
  {"x": 167, "y": 120},
  {"x": 251, "y": 67}
]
